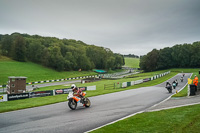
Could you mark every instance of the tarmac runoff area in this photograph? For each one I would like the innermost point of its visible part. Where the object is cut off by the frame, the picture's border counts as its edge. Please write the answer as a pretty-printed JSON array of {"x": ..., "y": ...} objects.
[{"x": 175, "y": 102}]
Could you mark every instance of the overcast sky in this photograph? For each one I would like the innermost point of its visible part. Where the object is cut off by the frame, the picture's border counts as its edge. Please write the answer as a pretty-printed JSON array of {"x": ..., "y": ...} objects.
[{"x": 124, "y": 26}]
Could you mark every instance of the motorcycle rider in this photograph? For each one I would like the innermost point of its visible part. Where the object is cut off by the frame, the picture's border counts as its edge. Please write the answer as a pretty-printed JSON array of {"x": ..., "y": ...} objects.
[
  {"x": 169, "y": 87},
  {"x": 181, "y": 79},
  {"x": 167, "y": 83},
  {"x": 174, "y": 84},
  {"x": 78, "y": 92}
]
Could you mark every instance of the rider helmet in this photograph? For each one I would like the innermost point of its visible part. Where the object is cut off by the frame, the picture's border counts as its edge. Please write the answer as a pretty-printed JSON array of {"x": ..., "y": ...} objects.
[{"x": 73, "y": 86}]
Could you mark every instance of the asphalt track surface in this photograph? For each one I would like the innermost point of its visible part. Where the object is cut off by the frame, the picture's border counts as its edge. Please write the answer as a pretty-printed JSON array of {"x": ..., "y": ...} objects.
[{"x": 58, "y": 118}]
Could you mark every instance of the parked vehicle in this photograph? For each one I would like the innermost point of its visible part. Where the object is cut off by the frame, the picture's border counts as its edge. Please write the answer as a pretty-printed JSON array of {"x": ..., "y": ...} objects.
[{"x": 74, "y": 100}]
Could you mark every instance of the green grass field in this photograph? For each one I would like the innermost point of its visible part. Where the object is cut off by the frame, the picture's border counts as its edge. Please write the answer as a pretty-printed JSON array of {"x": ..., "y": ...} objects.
[
  {"x": 34, "y": 72},
  {"x": 132, "y": 62},
  {"x": 178, "y": 120}
]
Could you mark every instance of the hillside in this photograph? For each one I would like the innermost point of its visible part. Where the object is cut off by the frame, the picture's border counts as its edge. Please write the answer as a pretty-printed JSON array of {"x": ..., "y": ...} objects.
[
  {"x": 58, "y": 54},
  {"x": 131, "y": 62},
  {"x": 32, "y": 71}
]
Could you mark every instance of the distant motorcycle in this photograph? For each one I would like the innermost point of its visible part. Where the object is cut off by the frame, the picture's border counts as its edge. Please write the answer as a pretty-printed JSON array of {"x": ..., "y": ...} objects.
[
  {"x": 174, "y": 85},
  {"x": 181, "y": 79},
  {"x": 74, "y": 100},
  {"x": 169, "y": 88}
]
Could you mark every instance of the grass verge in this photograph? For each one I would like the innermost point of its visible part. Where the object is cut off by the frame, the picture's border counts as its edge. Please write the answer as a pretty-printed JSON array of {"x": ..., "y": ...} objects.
[{"x": 178, "y": 120}]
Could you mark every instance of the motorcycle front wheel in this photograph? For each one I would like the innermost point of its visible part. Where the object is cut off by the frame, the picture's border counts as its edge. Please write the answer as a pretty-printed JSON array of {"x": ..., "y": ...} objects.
[
  {"x": 87, "y": 103},
  {"x": 72, "y": 104}
]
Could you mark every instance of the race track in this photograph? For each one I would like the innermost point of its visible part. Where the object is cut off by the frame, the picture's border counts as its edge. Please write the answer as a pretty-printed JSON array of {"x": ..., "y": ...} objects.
[{"x": 58, "y": 118}]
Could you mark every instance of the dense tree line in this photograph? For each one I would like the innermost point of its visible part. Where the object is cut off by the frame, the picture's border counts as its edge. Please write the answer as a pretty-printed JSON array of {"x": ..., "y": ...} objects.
[
  {"x": 178, "y": 56},
  {"x": 59, "y": 54}
]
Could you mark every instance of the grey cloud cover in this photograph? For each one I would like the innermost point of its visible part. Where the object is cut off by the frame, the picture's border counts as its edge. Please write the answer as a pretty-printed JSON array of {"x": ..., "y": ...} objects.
[{"x": 124, "y": 26}]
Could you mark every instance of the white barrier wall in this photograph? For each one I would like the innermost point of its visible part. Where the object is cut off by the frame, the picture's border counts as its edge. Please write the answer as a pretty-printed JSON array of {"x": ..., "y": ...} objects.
[
  {"x": 138, "y": 81},
  {"x": 91, "y": 88},
  {"x": 124, "y": 84},
  {"x": 132, "y": 83}
]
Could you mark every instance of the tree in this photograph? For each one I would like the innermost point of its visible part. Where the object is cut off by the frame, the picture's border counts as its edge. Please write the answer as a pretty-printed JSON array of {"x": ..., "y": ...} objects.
[
  {"x": 195, "y": 55},
  {"x": 45, "y": 57},
  {"x": 56, "y": 60},
  {"x": 19, "y": 49},
  {"x": 6, "y": 45},
  {"x": 70, "y": 62},
  {"x": 35, "y": 51},
  {"x": 119, "y": 62},
  {"x": 143, "y": 61},
  {"x": 165, "y": 58},
  {"x": 152, "y": 60}
]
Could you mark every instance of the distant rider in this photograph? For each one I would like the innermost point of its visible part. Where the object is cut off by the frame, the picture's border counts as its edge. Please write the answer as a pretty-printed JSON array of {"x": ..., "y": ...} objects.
[
  {"x": 169, "y": 87},
  {"x": 176, "y": 82},
  {"x": 181, "y": 79}
]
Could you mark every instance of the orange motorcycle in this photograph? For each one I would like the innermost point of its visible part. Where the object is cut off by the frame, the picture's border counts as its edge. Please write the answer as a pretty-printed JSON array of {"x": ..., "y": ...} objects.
[{"x": 74, "y": 100}]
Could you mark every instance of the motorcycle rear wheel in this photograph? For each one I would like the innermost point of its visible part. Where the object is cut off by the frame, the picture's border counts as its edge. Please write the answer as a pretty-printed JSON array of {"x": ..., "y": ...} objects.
[{"x": 72, "y": 104}]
